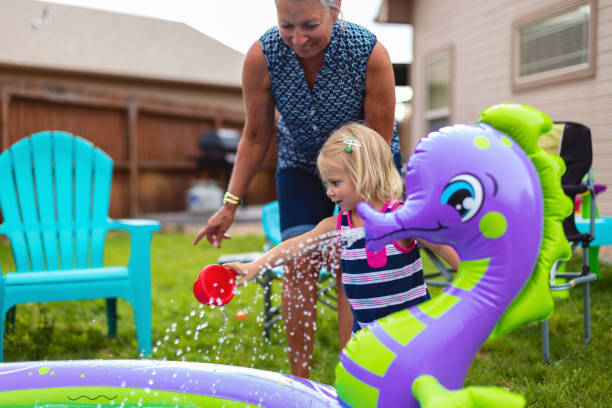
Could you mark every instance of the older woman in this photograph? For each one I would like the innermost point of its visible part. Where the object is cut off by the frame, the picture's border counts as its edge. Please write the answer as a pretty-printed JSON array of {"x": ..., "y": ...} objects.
[{"x": 319, "y": 73}]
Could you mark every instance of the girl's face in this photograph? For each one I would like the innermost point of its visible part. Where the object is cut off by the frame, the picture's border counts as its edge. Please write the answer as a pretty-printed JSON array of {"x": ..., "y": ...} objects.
[
  {"x": 305, "y": 26},
  {"x": 339, "y": 186}
]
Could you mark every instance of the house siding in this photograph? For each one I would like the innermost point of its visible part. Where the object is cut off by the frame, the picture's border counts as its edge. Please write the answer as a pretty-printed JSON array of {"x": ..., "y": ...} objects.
[{"x": 479, "y": 35}]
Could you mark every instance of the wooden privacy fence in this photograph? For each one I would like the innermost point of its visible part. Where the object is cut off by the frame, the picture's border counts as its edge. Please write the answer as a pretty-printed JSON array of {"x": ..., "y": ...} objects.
[{"x": 152, "y": 142}]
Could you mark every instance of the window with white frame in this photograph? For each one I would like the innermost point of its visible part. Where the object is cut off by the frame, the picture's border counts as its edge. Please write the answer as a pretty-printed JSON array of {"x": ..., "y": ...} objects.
[
  {"x": 437, "y": 78},
  {"x": 555, "y": 45}
]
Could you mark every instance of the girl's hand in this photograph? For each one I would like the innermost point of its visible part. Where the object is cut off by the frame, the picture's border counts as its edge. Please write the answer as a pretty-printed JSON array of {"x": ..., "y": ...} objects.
[{"x": 246, "y": 271}]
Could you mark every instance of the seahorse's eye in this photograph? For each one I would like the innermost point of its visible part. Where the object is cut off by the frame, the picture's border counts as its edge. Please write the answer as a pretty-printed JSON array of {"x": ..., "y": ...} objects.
[{"x": 463, "y": 193}]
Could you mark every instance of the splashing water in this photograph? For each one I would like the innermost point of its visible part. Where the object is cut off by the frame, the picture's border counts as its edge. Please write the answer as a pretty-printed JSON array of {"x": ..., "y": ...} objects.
[
  {"x": 189, "y": 337},
  {"x": 326, "y": 245},
  {"x": 223, "y": 328},
  {"x": 184, "y": 339}
]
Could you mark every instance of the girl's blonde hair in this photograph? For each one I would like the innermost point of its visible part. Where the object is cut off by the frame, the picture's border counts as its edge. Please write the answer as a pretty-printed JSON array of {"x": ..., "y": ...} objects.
[{"x": 367, "y": 158}]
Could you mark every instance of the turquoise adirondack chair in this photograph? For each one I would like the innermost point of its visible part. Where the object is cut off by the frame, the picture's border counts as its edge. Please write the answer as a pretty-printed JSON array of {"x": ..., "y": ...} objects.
[{"x": 54, "y": 197}]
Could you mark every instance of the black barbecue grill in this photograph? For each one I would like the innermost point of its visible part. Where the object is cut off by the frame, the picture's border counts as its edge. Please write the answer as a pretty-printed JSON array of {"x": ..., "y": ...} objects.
[{"x": 218, "y": 151}]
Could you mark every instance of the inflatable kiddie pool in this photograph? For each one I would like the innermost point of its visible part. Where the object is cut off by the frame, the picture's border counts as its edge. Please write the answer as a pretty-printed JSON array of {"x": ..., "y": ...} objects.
[{"x": 146, "y": 383}]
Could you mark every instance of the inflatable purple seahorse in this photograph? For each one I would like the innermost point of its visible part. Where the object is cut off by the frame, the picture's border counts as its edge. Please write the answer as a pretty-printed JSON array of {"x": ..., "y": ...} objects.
[{"x": 476, "y": 189}]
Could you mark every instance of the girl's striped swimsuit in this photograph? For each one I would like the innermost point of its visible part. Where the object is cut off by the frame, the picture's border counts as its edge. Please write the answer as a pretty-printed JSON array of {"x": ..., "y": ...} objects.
[{"x": 378, "y": 284}]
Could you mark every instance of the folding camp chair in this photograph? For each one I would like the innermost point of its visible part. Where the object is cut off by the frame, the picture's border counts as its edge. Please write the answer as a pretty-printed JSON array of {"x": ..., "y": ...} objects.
[
  {"x": 603, "y": 229},
  {"x": 572, "y": 142},
  {"x": 270, "y": 220}
]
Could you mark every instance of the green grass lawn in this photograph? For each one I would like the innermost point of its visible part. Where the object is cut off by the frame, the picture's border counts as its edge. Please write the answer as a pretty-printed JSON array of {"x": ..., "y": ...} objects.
[{"x": 578, "y": 376}]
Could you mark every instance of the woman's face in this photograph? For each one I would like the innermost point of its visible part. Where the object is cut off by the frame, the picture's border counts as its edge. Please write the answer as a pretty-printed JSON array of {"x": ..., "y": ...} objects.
[{"x": 305, "y": 26}]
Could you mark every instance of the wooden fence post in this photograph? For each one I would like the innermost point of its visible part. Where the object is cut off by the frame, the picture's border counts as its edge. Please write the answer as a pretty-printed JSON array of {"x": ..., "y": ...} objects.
[
  {"x": 132, "y": 136},
  {"x": 5, "y": 99}
]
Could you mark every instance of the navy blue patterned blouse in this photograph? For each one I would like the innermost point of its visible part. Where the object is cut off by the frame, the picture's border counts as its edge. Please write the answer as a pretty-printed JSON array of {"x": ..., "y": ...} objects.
[{"x": 308, "y": 117}]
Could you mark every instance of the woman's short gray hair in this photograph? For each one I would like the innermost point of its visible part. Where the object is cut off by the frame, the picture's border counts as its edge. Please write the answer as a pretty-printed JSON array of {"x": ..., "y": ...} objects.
[{"x": 331, "y": 4}]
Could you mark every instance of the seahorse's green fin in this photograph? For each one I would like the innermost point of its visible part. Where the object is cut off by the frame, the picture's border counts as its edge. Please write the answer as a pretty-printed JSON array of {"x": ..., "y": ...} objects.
[
  {"x": 430, "y": 394},
  {"x": 525, "y": 125}
]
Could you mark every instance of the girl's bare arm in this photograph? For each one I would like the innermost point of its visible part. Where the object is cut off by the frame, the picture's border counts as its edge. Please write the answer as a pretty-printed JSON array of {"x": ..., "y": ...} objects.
[
  {"x": 286, "y": 251},
  {"x": 443, "y": 251}
]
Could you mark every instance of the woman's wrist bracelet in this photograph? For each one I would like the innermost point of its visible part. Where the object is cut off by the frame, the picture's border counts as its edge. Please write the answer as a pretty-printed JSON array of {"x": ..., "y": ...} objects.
[{"x": 231, "y": 199}]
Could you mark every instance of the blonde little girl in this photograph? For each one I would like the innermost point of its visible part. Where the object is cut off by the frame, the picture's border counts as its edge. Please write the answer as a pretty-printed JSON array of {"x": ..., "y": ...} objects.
[{"x": 355, "y": 164}]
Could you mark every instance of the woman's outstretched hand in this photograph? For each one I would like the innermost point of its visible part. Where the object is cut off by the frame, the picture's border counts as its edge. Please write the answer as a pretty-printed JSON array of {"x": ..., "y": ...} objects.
[{"x": 215, "y": 228}]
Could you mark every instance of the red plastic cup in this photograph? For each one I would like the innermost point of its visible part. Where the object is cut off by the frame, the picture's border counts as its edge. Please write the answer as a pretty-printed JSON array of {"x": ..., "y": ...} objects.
[{"x": 215, "y": 285}]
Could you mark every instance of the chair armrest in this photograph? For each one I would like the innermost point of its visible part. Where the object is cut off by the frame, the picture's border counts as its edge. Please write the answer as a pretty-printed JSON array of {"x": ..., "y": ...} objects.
[
  {"x": 243, "y": 257},
  {"x": 135, "y": 224},
  {"x": 141, "y": 234}
]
